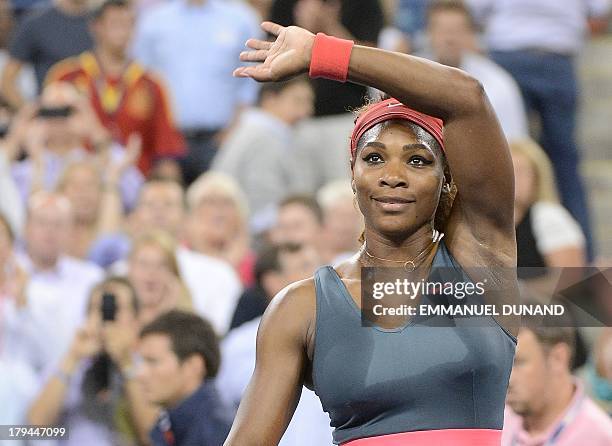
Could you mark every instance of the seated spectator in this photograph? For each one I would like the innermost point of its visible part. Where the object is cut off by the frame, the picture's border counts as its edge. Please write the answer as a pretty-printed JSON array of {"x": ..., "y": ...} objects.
[
  {"x": 299, "y": 220},
  {"x": 59, "y": 285},
  {"x": 275, "y": 268},
  {"x": 154, "y": 273},
  {"x": 263, "y": 141},
  {"x": 57, "y": 133},
  {"x": 597, "y": 373},
  {"x": 453, "y": 42},
  {"x": 128, "y": 99},
  {"x": 213, "y": 284},
  {"x": 217, "y": 224},
  {"x": 342, "y": 221},
  {"x": 92, "y": 391},
  {"x": 95, "y": 200},
  {"x": 547, "y": 235},
  {"x": 546, "y": 403},
  {"x": 180, "y": 353}
]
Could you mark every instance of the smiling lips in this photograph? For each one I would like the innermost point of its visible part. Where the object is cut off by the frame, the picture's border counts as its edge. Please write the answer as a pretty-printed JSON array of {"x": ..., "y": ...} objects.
[{"x": 393, "y": 203}]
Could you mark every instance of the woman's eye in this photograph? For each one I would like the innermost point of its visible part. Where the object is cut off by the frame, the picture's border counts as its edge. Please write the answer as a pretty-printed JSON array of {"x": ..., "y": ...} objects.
[
  {"x": 418, "y": 161},
  {"x": 373, "y": 158}
]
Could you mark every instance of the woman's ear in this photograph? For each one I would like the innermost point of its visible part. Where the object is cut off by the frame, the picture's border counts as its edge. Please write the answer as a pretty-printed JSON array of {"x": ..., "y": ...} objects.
[{"x": 353, "y": 186}]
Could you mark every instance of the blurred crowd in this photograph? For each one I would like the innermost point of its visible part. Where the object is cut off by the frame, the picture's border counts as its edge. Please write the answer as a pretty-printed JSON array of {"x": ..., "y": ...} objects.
[{"x": 151, "y": 205}]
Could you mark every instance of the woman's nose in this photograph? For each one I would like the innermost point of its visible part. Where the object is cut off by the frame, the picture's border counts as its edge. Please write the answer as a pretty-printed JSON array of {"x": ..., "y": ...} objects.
[{"x": 393, "y": 177}]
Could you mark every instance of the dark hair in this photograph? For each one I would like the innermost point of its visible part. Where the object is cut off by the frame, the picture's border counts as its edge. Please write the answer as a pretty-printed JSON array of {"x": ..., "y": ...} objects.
[
  {"x": 100, "y": 287},
  {"x": 274, "y": 88},
  {"x": 305, "y": 200},
  {"x": 189, "y": 335},
  {"x": 458, "y": 6},
  {"x": 4, "y": 222},
  {"x": 552, "y": 330},
  {"x": 97, "y": 13},
  {"x": 269, "y": 259}
]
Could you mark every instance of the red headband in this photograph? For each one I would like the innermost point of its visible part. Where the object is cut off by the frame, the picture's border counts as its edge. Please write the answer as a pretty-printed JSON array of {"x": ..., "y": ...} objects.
[{"x": 393, "y": 109}]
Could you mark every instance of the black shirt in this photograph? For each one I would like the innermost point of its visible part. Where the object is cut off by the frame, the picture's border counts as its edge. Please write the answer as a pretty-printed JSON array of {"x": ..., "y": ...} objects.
[
  {"x": 364, "y": 20},
  {"x": 47, "y": 36}
]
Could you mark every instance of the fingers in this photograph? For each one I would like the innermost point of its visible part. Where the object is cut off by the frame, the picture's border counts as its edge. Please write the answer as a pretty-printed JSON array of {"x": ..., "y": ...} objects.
[
  {"x": 272, "y": 28},
  {"x": 254, "y": 56},
  {"x": 256, "y": 72},
  {"x": 257, "y": 44}
]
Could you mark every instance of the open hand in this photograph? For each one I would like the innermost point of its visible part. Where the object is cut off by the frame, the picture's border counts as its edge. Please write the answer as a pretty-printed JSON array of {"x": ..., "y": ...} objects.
[{"x": 286, "y": 57}]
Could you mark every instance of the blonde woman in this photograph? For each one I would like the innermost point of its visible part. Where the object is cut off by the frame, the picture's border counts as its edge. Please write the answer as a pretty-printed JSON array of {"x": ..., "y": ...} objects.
[
  {"x": 547, "y": 235},
  {"x": 218, "y": 222},
  {"x": 154, "y": 273}
]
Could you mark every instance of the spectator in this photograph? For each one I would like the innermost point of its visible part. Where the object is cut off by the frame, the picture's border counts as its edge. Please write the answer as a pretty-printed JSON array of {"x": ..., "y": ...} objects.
[
  {"x": 95, "y": 199},
  {"x": 299, "y": 220},
  {"x": 181, "y": 359},
  {"x": 546, "y": 404},
  {"x": 37, "y": 42},
  {"x": 213, "y": 284},
  {"x": 263, "y": 141},
  {"x": 342, "y": 221},
  {"x": 194, "y": 45},
  {"x": 92, "y": 391},
  {"x": 217, "y": 224},
  {"x": 321, "y": 147},
  {"x": 56, "y": 133},
  {"x": 153, "y": 270},
  {"x": 276, "y": 267},
  {"x": 59, "y": 285},
  {"x": 453, "y": 42},
  {"x": 126, "y": 97},
  {"x": 537, "y": 43},
  {"x": 26, "y": 82},
  {"x": 546, "y": 234}
]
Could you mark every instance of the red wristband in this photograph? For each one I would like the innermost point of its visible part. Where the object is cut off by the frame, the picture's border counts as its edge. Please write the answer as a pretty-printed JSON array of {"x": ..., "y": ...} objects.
[{"x": 330, "y": 57}]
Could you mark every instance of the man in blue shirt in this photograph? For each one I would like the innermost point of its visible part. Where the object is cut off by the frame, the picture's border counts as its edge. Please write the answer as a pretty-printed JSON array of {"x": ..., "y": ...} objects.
[
  {"x": 195, "y": 46},
  {"x": 181, "y": 357}
]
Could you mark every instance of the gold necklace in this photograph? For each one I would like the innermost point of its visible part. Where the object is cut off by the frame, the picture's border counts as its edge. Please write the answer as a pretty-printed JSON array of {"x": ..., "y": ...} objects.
[{"x": 436, "y": 237}]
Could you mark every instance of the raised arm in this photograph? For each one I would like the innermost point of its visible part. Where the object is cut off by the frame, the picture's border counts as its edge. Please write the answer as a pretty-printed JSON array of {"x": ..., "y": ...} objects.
[
  {"x": 476, "y": 148},
  {"x": 274, "y": 390}
]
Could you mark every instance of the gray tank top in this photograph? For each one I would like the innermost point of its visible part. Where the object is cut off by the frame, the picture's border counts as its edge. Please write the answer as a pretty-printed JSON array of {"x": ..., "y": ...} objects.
[{"x": 373, "y": 381}]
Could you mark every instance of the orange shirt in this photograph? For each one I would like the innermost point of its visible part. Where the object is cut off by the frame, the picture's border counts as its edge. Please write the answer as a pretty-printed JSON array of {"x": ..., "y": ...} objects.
[{"x": 134, "y": 102}]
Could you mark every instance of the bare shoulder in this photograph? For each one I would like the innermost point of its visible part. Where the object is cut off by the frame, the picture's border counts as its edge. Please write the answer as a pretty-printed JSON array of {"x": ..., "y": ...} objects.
[{"x": 292, "y": 311}]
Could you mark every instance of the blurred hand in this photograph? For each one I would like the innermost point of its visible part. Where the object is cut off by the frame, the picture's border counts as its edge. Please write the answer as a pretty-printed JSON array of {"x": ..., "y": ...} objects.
[
  {"x": 286, "y": 57},
  {"x": 116, "y": 168},
  {"x": 86, "y": 344},
  {"x": 119, "y": 341},
  {"x": 18, "y": 130}
]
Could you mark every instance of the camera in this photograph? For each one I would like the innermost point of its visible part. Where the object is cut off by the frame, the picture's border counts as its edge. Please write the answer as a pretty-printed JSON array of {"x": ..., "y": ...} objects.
[{"x": 109, "y": 306}]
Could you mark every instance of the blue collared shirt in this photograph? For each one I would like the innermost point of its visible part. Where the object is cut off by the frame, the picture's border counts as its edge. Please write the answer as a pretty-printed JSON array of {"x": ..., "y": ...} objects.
[
  {"x": 195, "y": 48},
  {"x": 200, "y": 420}
]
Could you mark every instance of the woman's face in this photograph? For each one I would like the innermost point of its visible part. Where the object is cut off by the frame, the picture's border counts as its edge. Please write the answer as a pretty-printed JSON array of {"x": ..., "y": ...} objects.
[
  {"x": 398, "y": 180},
  {"x": 524, "y": 181},
  {"x": 149, "y": 273}
]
